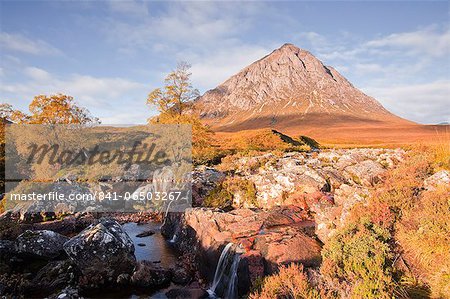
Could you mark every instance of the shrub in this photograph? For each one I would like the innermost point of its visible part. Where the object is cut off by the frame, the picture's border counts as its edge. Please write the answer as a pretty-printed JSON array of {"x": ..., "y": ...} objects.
[
  {"x": 233, "y": 191},
  {"x": 289, "y": 282},
  {"x": 219, "y": 197},
  {"x": 441, "y": 151},
  {"x": 244, "y": 191},
  {"x": 359, "y": 257},
  {"x": 424, "y": 235},
  {"x": 401, "y": 185}
]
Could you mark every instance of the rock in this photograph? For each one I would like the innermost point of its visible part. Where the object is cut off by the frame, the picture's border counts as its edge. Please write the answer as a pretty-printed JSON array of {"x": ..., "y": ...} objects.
[
  {"x": 7, "y": 248},
  {"x": 181, "y": 276},
  {"x": 8, "y": 253},
  {"x": 145, "y": 234},
  {"x": 67, "y": 293},
  {"x": 284, "y": 215},
  {"x": 366, "y": 173},
  {"x": 102, "y": 249},
  {"x": 148, "y": 275},
  {"x": 204, "y": 179},
  {"x": 286, "y": 245},
  {"x": 41, "y": 243},
  {"x": 123, "y": 279},
  {"x": 55, "y": 275},
  {"x": 254, "y": 262},
  {"x": 440, "y": 178}
]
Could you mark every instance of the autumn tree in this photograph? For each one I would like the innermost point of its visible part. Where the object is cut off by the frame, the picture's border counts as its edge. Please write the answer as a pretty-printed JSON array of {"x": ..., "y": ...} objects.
[
  {"x": 8, "y": 114},
  {"x": 58, "y": 109},
  {"x": 174, "y": 104},
  {"x": 177, "y": 92},
  {"x": 48, "y": 111}
]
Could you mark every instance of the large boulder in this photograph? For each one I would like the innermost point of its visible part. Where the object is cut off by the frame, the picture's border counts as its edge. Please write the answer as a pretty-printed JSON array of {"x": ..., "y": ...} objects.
[
  {"x": 102, "y": 249},
  {"x": 41, "y": 243}
]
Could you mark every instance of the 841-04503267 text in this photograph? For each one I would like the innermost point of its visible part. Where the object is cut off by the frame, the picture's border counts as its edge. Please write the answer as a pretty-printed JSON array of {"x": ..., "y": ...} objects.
[{"x": 100, "y": 196}]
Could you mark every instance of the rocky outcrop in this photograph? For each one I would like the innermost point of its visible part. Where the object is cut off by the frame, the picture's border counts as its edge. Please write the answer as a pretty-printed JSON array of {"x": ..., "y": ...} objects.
[
  {"x": 269, "y": 238},
  {"x": 327, "y": 183},
  {"x": 102, "y": 249}
]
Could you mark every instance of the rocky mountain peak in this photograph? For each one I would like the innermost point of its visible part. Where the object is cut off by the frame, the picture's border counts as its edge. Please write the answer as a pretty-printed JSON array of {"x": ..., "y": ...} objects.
[{"x": 287, "y": 83}]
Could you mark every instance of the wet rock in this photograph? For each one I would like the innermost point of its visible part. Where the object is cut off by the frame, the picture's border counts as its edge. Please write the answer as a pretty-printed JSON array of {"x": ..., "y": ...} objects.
[
  {"x": 181, "y": 276},
  {"x": 148, "y": 275},
  {"x": 7, "y": 248},
  {"x": 102, "y": 249},
  {"x": 254, "y": 264},
  {"x": 8, "y": 253},
  {"x": 42, "y": 243}
]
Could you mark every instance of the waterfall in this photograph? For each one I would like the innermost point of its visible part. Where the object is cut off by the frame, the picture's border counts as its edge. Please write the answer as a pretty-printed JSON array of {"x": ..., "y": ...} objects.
[
  {"x": 175, "y": 235},
  {"x": 226, "y": 273},
  {"x": 174, "y": 239},
  {"x": 232, "y": 283}
]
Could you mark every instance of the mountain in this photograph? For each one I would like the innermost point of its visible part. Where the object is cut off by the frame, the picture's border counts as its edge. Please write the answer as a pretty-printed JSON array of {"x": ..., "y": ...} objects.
[{"x": 290, "y": 90}]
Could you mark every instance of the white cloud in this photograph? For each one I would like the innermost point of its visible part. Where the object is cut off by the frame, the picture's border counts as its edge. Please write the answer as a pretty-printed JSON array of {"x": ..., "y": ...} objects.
[
  {"x": 212, "y": 69},
  {"x": 20, "y": 43},
  {"x": 425, "y": 103},
  {"x": 104, "y": 97},
  {"x": 367, "y": 68},
  {"x": 428, "y": 41},
  {"x": 315, "y": 39},
  {"x": 37, "y": 74},
  {"x": 182, "y": 25}
]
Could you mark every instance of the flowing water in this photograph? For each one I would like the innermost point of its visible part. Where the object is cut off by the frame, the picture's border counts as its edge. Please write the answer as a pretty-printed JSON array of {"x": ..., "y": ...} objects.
[
  {"x": 232, "y": 283},
  {"x": 225, "y": 276}
]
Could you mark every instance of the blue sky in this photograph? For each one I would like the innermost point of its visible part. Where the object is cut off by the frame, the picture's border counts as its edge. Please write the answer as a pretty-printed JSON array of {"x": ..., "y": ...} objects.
[{"x": 110, "y": 54}]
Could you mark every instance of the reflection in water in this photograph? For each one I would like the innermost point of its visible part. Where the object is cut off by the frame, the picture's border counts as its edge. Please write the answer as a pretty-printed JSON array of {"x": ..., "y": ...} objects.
[{"x": 156, "y": 247}]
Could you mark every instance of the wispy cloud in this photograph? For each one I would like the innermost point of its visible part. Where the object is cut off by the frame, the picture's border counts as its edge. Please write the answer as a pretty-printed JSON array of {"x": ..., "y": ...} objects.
[
  {"x": 19, "y": 43},
  {"x": 430, "y": 41},
  {"x": 425, "y": 103},
  {"x": 103, "y": 96}
]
